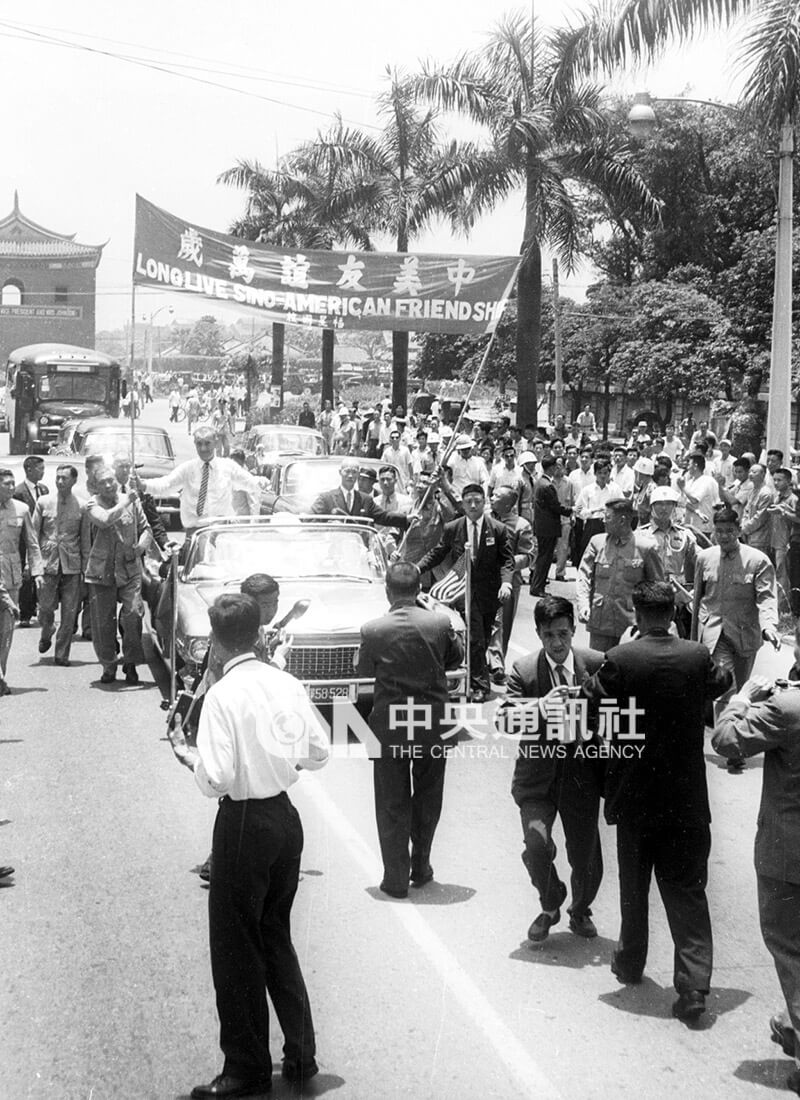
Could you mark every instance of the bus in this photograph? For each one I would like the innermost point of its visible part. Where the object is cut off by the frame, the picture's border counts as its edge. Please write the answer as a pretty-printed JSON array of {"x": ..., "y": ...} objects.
[{"x": 48, "y": 384}]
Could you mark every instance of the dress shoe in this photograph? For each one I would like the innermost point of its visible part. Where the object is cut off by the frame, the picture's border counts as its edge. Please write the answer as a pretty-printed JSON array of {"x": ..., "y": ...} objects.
[
  {"x": 561, "y": 577},
  {"x": 582, "y": 925},
  {"x": 540, "y": 929},
  {"x": 5, "y": 872},
  {"x": 538, "y": 595},
  {"x": 109, "y": 676},
  {"x": 131, "y": 675},
  {"x": 62, "y": 661},
  {"x": 394, "y": 891},
  {"x": 498, "y": 677},
  {"x": 225, "y": 1085},
  {"x": 736, "y": 765},
  {"x": 478, "y": 696},
  {"x": 205, "y": 870},
  {"x": 24, "y": 622},
  {"x": 422, "y": 877},
  {"x": 782, "y": 1034},
  {"x": 690, "y": 1005},
  {"x": 45, "y": 644},
  {"x": 87, "y": 636},
  {"x": 299, "y": 1072},
  {"x": 4, "y": 688}
]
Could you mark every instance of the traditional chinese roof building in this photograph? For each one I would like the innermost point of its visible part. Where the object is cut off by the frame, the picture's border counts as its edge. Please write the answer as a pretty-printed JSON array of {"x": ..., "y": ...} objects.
[{"x": 47, "y": 285}]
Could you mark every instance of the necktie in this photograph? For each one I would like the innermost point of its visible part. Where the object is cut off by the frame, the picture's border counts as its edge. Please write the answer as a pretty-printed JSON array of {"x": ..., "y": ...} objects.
[
  {"x": 561, "y": 676},
  {"x": 348, "y": 497},
  {"x": 201, "y": 496},
  {"x": 37, "y": 492},
  {"x": 474, "y": 554}
]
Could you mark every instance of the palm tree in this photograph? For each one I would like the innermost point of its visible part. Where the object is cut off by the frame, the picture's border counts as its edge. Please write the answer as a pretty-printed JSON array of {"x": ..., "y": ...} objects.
[
  {"x": 291, "y": 208},
  {"x": 636, "y": 30},
  {"x": 400, "y": 180},
  {"x": 552, "y": 140}
]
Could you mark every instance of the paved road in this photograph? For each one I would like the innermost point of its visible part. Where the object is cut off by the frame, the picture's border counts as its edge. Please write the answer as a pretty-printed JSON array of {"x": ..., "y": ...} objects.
[{"x": 106, "y": 991}]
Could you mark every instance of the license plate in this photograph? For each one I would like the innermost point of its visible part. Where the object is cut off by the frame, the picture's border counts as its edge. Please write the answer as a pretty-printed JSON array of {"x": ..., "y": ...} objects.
[{"x": 331, "y": 691}]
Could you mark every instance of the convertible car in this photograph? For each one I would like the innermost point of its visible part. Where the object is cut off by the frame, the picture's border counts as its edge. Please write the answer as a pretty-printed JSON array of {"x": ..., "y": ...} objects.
[{"x": 337, "y": 565}]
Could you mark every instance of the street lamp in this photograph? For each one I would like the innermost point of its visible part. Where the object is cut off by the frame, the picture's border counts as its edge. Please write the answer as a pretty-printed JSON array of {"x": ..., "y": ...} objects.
[
  {"x": 149, "y": 350},
  {"x": 642, "y": 122}
]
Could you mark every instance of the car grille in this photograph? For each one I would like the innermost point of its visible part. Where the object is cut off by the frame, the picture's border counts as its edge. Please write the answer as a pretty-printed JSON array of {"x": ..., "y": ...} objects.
[{"x": 322, "y": 662}]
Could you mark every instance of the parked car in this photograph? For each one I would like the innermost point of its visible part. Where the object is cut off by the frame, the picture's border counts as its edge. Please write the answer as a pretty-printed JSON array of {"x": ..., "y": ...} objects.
[
  {"x": 297, "y": 482},
  {"x": 339, "y": 566},
  {"x": 264, "y": 442},
  {"x": 154, "y": 455}
]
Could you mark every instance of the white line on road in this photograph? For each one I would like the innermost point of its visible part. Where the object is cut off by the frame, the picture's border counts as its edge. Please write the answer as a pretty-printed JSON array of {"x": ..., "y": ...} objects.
[{"x": 508, "y": 1048}]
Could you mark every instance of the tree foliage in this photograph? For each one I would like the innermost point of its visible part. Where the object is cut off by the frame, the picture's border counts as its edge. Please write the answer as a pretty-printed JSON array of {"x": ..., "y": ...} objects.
[{"x": 205, "y": 338}]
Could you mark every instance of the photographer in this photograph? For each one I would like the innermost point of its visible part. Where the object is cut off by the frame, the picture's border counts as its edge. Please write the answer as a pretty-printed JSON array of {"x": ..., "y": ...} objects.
[
  {"x": 257, "y": 730},
  {"x": 764, "y": 717}
]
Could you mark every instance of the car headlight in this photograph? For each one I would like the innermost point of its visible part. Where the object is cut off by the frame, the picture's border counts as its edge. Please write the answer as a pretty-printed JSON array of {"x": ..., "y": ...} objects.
[
  {"x": 44, "y": 420},
  {"x": 196, "y": 649}
]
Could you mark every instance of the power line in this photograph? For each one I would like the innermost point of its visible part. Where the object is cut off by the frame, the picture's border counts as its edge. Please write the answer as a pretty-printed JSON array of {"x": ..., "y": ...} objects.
[
  {"x": 35, "y": 36},
  {"x": 263, "y": 75}
]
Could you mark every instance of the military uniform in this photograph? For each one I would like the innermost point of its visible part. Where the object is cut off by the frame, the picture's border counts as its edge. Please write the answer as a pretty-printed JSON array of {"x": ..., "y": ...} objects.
[
  {"x": 677, "y": 548},
  {"x": 609, "y": 571}
]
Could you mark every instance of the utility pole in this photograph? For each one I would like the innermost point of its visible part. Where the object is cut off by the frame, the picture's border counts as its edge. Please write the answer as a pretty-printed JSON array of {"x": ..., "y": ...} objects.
[{"x": 558, "y": 406}]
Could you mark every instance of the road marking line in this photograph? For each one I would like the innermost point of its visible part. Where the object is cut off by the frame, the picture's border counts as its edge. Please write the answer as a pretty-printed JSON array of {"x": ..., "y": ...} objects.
[{"x": 508, "y": 1048}]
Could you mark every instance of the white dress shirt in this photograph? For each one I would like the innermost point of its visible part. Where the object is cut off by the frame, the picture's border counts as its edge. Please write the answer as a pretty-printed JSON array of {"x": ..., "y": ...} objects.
[
  {"x": 580, "y": 479},
  {"x": 225, "y": 475},
  {"x": 256, "y": 725},
  {"x": 592, "y": 501}
]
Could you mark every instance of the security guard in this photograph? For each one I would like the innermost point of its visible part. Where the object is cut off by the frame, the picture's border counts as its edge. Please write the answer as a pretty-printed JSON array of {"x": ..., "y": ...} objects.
[
  {"x": 611, "y": 567},
  {"x": 677, "y": 548}
]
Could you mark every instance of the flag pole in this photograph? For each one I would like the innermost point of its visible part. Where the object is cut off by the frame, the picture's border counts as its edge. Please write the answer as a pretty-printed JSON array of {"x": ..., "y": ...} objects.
[
  {"x": 130, "y": 379},
  {"x": 467, "y": 618}
]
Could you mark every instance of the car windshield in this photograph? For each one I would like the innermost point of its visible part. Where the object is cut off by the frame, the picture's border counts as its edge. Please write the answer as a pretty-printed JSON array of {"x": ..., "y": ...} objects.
[
  {"x": 308, "y": 479},
  {"x": 282, "y": 439},
  {"x": 114, "y": 442},
  {"x": 286, "y": 553}
]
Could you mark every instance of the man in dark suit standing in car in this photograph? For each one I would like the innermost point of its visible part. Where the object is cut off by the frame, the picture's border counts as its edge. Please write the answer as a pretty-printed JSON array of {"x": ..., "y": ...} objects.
[
  {"x": 656, "y": 792},
  {"x": 492, "y": 559},
  {"x": 347, "y": 500},
  {"x": 546, "y": 784},
  {"x": 409, "y": 652},
  {"x": 547, "y": 513}
]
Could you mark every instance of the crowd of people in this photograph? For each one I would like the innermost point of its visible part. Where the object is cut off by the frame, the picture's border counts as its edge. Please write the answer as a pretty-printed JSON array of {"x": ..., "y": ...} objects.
[{"x": 683, "y": 558}]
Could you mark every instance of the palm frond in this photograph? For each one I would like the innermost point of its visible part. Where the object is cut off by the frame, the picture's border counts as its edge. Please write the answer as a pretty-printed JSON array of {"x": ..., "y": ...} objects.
[
  {"x": 631, "y": 31},
  {"x": 772, "y": 48}
]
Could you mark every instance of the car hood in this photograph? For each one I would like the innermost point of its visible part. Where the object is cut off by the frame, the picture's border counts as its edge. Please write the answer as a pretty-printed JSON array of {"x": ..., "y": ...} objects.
[
  {"x": 150, "y": 466},
  {"x": 337, "y": 608},
  {"x": 73, "y": 410}
]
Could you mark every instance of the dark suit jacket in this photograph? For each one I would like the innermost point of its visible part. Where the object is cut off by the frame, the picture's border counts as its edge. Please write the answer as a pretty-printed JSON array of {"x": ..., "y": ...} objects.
[
  {"x": 408, "y": 652},
  {"x": 23, "y": 493},
  {"x": 547, "y": 511},
  {"x": 671, "y": 680},
  {"x": 495, "y": 562},
  {"x": 534, "y": 774},
  {"x": 770, "y": 727},
  {"x": 333, "y": 503}
]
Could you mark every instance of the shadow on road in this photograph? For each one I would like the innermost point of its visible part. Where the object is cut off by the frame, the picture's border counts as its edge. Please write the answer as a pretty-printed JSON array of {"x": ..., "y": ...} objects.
[
  {"x": 566, "y": 949},
  {"x": 770, "y": 1072},
  {"x": 10, "y": 741},
  {"x": 435, "y": 893},
  {"x": 317, "y": 1086},
  {"x": 651, "y": 999}
]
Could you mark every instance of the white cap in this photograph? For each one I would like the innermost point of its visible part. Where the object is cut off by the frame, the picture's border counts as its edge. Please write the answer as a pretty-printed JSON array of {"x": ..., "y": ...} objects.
[
  {"x": 526, "y": 456},
  {"x": 644, "y": 466}
]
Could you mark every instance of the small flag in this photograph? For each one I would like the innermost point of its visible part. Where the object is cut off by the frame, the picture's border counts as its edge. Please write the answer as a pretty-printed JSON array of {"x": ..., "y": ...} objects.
[{"x": 452, "y": 587}]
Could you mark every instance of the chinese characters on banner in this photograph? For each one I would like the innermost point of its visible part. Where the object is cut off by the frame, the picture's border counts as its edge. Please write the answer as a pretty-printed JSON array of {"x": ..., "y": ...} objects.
[{"x": 414, "y": 292}]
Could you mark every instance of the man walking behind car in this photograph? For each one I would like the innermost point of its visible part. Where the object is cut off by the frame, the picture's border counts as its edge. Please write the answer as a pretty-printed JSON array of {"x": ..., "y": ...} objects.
[
  {"x": 408, "y": 651},
  {"x": 57, "y": 522},
  {"x": 246, "y": 759}
]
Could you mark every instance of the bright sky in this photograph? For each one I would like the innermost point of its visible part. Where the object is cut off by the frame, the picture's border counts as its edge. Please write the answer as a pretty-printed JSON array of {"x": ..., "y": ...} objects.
[{"x": 83, "y": 131}]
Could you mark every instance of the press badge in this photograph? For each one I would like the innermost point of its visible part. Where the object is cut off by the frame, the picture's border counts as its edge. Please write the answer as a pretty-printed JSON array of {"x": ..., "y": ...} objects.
[{"x": 489, "y": 540}]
